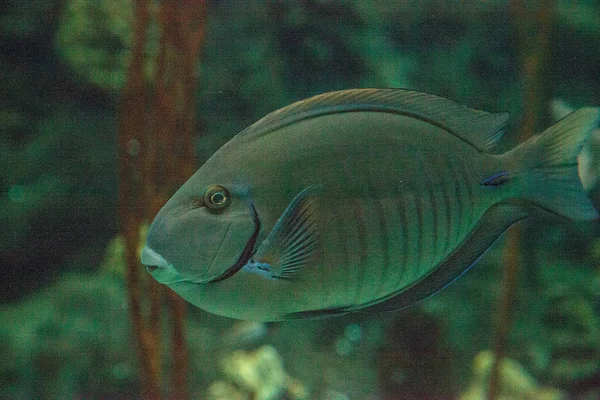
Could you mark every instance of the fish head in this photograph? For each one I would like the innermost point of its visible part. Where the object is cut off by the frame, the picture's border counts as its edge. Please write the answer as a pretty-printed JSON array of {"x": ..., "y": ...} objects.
[{"x": 204, "y": 233}]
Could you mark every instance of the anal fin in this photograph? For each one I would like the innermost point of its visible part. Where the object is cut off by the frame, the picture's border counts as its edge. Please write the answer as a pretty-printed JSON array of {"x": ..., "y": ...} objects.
[{"x": 317, "y": 314}]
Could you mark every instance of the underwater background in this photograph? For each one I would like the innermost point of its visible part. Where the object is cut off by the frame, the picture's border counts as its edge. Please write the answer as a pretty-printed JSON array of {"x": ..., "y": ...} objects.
[{"x": 107, "y": 106}]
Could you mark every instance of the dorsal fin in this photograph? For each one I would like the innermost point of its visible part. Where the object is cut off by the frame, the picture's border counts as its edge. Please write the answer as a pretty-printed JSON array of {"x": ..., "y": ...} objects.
[{"x": 479, "y": 128}]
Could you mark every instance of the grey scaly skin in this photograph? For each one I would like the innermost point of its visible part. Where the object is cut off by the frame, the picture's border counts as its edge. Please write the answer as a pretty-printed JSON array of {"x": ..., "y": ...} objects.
[{"x": 356, "y": 200}]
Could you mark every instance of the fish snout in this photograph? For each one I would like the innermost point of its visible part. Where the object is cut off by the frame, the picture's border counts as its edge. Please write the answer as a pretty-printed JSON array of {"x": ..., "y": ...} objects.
[
  {"x": 152, "y": 259},
  {"x": 159, "y": 267}
]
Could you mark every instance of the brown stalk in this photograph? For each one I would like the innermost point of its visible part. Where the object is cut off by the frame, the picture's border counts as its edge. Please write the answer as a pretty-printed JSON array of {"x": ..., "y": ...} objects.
[
  {"x": 131, "y": 140},
  {"x": 190, "y": 18},
  {"x": 173, "y": 129},
  {"x": 533, "y": 29},
  {"x": 156, "y": 154}
]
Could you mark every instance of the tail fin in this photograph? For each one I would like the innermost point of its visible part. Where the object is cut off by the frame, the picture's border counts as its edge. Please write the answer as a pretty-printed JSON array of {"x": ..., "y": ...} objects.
[{"x": 547, "y": 166}]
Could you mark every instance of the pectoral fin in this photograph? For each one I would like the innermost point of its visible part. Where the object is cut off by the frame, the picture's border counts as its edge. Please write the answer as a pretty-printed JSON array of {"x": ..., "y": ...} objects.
[{"x": 292, "y": 242}]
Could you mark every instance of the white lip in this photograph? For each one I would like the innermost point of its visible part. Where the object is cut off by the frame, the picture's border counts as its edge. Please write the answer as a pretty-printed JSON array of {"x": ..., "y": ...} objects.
[
  {"x": 153, "y": 259},
  {"x": 160, "y": 268}
]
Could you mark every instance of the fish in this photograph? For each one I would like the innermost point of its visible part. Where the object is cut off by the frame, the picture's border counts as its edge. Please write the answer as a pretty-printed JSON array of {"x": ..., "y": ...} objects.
[{"x": 360, "y": 200}]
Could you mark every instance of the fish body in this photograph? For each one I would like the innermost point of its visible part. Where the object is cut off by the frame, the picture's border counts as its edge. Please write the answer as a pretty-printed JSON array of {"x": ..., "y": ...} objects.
[{"x": 356, "y": 200}]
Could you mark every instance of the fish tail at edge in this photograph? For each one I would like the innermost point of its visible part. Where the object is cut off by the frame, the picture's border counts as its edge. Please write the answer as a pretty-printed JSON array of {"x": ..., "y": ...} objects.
[{"x": 545, "y": 171}]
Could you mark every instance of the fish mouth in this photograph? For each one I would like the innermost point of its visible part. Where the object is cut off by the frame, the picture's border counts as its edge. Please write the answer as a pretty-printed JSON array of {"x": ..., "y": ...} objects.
[
  {"x": 246, "y": 253},
  {"x": 152, "y": 259},
  {"x": 159, "y": 267}
]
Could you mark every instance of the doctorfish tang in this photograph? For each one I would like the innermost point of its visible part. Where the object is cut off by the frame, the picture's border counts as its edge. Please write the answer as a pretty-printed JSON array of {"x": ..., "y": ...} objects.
[{"x": 357, "y": 200}]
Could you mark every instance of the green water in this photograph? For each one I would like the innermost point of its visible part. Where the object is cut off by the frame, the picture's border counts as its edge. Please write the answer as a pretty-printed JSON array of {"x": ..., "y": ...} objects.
[{"x": 65, "y": 330}]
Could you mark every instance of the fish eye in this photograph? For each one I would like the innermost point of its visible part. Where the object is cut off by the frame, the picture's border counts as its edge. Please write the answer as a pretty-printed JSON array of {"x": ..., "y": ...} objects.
[{"x": 216, "y": 197}]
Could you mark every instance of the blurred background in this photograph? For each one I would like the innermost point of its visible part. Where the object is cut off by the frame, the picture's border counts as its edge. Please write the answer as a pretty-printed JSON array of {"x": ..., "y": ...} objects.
[{"x": 66, "y": 288}]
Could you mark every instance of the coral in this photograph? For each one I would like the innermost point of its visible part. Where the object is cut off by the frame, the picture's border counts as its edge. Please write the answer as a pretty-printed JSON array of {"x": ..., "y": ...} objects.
[
  {"x": 68, "y": 340},
  {"x": 514, "y": 381},
  {"x": 261, "y": 374},
  {"x": 571, "y": 328},
  {"x": 56, "y": 190},
  {"x": 95, "y": 38},
  {"x": 221, "y": 390},
  {"x": 114, "y": 256},
  {"x": 57, "y": 196}
]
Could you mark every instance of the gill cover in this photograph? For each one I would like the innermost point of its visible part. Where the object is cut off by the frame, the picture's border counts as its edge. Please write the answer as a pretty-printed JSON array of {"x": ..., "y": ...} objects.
[{"x": 201, "y": 243}]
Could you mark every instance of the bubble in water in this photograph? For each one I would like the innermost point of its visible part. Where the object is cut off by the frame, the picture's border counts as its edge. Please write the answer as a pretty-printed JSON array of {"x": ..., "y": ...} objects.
[
  {"x": 134, "y": 147},
  {"x": 343, "y": 346},
  {"x": 353, "y": 332},
  {"x": 16, "y": 193}
]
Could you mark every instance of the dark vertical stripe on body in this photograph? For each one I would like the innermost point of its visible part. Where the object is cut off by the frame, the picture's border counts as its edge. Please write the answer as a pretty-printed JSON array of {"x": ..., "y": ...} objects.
[
  {"x": 361, "y": 231},
  {"x": 458, "y": 196},
  {"x": 424, "y": 209},
  {"x": 470, "y": 196},
  {"x": 435, "y": 234},
  {"x": 342, "y": 238},
  {"x": 400, "y": 204},
  {"x": 384, "y": 239},
  {"x": 419, "y": 227},
  {"x": 359, "y": 220},
  {"x": 344, "y": 213},
  {"x": 448, "y": 204}
]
